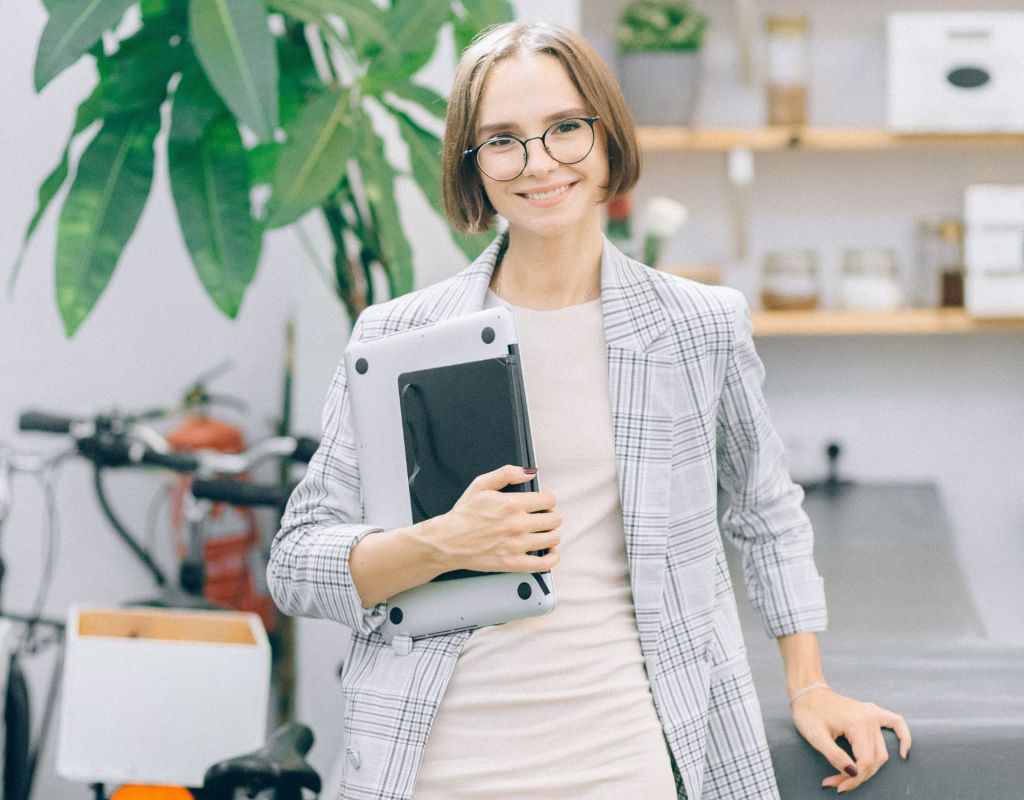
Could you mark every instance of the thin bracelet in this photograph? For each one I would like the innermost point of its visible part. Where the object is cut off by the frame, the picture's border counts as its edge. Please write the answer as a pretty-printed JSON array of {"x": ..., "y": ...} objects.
[{"x": 807, "y": 689}]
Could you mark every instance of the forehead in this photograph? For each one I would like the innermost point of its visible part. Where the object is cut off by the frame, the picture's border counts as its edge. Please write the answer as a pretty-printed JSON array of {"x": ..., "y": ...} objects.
[{"x": 527, "y": 87}]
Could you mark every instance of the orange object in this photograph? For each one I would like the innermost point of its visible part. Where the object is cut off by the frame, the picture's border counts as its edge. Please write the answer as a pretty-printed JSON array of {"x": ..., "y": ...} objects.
[
  {"x": 138, "y": 792},
  {"x": 232, "y": 532}
]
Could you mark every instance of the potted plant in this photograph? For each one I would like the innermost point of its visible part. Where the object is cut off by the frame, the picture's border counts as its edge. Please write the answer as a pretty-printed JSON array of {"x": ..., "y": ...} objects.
[
  {"x": 658, "y": 43},
  {"x": 269, "y": 110}
]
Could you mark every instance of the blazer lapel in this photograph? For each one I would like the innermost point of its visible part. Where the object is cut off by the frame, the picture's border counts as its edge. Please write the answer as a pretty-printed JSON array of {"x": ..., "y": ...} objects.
[{"x": 640, "y": 385}]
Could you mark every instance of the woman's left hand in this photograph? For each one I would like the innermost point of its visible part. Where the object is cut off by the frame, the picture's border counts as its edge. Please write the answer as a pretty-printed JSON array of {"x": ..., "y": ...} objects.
[{"x": 822, "y": 716}]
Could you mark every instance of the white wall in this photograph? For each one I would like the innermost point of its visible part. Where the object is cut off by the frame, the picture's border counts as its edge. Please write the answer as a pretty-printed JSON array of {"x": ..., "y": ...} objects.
[{"x": 151, "y": 334}]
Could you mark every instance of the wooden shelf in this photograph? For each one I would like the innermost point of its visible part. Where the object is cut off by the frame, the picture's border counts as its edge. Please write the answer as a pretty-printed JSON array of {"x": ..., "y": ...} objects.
[
  {"x": 912, "y": 321},
  {"x": 666, "y": 139}
]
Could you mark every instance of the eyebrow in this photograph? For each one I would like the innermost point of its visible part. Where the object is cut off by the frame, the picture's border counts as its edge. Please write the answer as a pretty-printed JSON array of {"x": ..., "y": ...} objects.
[{"x": 488, "y": 131}]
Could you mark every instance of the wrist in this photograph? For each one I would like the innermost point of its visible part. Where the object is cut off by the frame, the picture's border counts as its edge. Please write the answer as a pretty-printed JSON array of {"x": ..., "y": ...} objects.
[
  {"x": 428, "y": 544},
  {"x": 811, "y": 687}
]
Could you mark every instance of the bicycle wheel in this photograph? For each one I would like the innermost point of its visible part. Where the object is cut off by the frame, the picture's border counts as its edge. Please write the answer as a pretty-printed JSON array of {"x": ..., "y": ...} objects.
[{"x": 16, "y": 740}]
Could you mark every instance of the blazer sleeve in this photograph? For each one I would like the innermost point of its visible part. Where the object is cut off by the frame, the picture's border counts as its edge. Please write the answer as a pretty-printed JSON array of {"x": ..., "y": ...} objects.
[
  {"x": 308, "y": 573},
  {"x": 765, "y": 519}
]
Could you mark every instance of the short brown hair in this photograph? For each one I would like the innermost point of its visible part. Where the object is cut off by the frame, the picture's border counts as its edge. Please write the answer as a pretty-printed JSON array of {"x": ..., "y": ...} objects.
[{"x": 465, "y": 200}]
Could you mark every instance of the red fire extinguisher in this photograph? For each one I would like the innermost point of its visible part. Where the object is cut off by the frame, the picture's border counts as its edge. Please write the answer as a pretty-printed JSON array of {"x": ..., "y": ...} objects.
[{"x": 232, "y": 539}]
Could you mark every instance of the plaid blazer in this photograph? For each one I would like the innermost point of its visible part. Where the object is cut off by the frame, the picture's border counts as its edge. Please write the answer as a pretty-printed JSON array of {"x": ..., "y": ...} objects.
[{"x": 688, "y": 412}]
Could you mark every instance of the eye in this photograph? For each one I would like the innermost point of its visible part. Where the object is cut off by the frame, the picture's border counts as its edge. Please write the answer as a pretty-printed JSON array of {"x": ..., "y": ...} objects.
[
  {"x": 567, "y": 126},
  {"x": 499, "y": 143}
]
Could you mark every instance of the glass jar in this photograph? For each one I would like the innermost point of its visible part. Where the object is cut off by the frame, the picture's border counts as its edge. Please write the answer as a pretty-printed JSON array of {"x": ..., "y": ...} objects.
[
  {"x": 870, "y": 281},
  {"x": 787, "y": 70},
  {"x": 939, "y": 279},
  {"x": 790, "y": 280}
]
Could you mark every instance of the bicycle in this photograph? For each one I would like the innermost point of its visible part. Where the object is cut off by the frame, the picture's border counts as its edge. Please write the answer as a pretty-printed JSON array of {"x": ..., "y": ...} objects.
[{"x": 108, "y": 441}]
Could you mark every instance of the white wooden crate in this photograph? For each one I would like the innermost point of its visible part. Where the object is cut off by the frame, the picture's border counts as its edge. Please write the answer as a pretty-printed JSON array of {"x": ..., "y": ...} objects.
[{"x": 158, "y": 695}]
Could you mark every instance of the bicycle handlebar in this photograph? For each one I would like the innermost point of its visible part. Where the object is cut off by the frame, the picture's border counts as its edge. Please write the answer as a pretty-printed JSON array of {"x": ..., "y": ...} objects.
[
  {"x": 238, "y": 493},
  {"x": 46, "y": 423},
  {"x": 122, "y": 442}
]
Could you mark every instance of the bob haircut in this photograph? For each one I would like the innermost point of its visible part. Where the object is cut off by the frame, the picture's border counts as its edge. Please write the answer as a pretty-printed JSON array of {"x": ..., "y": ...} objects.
[{"x": 465, "y": 201}]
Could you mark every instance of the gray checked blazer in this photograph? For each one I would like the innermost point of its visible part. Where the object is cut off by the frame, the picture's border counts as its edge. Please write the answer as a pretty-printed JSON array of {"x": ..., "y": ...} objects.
[{"x": 688, "y": 412}]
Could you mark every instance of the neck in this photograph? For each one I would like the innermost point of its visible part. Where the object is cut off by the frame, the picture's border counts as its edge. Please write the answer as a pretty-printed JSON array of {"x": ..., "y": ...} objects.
[{"x": 543, "y": 273}]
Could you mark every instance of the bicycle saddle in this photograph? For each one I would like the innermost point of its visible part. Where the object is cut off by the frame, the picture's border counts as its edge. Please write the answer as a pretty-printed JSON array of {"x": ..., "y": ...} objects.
[{"x": 280, "y": 765}]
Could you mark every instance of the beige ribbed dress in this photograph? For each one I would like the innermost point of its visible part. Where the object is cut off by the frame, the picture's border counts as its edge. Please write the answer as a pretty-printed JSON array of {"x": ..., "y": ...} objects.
[{"x": 559, "y": 706}]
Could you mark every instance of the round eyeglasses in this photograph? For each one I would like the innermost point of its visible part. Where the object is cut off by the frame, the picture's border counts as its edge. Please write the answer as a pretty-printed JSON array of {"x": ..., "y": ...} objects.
[{"x": 503, "y": 157}]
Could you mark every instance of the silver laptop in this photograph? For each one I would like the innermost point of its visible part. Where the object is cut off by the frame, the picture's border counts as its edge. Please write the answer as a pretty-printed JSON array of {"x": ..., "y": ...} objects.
[{"x": 434, "y": 407}]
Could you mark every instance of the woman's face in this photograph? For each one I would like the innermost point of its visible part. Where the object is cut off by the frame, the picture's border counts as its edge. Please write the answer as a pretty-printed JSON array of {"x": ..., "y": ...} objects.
[{"x": 523, "y": 96}]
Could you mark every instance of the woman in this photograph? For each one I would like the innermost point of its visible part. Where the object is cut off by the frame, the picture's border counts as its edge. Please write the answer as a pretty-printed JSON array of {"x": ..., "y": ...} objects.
[{"x": 644, "y": 394}]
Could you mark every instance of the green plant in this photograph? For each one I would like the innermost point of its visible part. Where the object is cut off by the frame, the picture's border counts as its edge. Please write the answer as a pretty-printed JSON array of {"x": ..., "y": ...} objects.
[
  {"x": 272, "y": 109},
  {"x": 647, "y": 25}
]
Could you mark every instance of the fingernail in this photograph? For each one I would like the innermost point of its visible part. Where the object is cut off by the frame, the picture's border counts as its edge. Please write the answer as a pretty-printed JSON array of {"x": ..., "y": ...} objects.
[
  {"x": 850, "y": 770},
  {"x": 530, "y": 470}
]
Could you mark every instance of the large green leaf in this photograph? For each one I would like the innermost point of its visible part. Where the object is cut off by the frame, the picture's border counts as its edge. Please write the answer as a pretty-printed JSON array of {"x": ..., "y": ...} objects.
[
  {"x": 137, "y": 75},
  {"x": 74, "y": 26},
  {"x": 425, "y": 160},
  {"x": 427, "y": 99},
  {"x": 313, "y": 159},
  {"x": 413, "y": 28},
  {"x": 101, "y": 211},
  {"x": 210, "y": 182},
  {"x": 236, "y": 48},
  {"x": 480, "y": 14},
  {"x": 88, "y": 113},
  {"x": 364, "y": 20},
  {"x": 378, "y": 178},
  {"x": 299, "y": 82}
]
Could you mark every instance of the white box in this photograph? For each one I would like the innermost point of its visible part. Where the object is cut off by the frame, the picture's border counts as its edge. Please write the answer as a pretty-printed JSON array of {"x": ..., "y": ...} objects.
[
  {"x": 994, "y": 295},
  {"x": 994, "y": 249},
  {"x": 994, "y": 205},
  {"x": 158, "y": 695},
  {"x": 956, "y": 72}
]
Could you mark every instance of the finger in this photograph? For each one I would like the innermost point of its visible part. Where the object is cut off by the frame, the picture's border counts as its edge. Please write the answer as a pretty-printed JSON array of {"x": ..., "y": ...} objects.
[
  {"x": 538, "y": 522},
  {"x": 863, "y": 745},
  {"x": 832, "y": 781},
  {"x": 543, "y": 563},
  {"x": 542, "y": 541},
  {"x": 532, "y": 502},
  {"x": 503, "y": 476},
  {"x": 902, "y": 730},
  {"x": 836, "y": 756},
  {"x": 881, "y": 750}
]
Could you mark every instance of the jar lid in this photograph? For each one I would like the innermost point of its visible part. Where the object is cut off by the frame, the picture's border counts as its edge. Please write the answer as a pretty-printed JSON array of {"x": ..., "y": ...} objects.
[
  {"x": 951, "y": 230},
  {"x": 786, "y": 26}
]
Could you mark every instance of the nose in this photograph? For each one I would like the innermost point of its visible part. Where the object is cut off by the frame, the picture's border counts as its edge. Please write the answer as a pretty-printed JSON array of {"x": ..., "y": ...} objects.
[{"x": 538, "y": 160}]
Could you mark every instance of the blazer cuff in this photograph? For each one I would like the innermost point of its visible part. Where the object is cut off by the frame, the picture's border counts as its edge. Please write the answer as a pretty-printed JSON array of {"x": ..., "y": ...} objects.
[
  {"x": 309, "y": 576},
  {"x": 795, "y": 605}
]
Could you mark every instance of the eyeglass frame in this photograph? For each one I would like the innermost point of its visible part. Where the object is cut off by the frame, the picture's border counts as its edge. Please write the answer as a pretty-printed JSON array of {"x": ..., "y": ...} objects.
[{"x": 474, "y": 151}]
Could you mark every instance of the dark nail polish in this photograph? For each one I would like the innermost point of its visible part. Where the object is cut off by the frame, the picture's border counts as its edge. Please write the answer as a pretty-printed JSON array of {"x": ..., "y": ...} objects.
[
  {"x": 851, "y": 771},
  {"x": 530, "y": 470}
]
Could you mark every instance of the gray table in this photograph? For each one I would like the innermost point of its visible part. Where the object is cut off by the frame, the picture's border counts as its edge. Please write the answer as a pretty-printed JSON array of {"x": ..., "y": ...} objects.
[{"x": 905, "y": 633}]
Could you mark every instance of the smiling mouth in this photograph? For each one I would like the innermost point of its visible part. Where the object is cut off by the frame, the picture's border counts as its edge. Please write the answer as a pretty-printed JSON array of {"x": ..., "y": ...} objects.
[{"x": 548, "y": 195}]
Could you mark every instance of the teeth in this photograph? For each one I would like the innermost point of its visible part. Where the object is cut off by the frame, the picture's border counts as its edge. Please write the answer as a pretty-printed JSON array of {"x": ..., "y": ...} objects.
[{"x": 552, "y": 193}]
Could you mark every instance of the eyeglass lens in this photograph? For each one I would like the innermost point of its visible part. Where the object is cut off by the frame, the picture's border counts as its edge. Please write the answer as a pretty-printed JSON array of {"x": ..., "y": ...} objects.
[{"x": 568, "y": 141}]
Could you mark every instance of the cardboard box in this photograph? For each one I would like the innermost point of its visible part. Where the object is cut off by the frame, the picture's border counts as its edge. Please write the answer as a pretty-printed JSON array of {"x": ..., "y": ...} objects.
[
  {"x": 158, "y": 695},
  {"x": 956, "y": 72}
]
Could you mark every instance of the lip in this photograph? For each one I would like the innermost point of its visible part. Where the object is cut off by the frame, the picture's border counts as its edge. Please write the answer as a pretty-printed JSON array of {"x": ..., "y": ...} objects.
[{"x": 547, "y": 201}]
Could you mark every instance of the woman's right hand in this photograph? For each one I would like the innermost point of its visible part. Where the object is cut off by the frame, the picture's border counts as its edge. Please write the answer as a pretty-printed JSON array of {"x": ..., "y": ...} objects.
[{"x": 489, "y": 530}]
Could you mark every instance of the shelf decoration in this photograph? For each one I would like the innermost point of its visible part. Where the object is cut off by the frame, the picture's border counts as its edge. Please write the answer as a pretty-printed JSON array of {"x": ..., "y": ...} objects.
[{"x": 659, "y": 42}]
